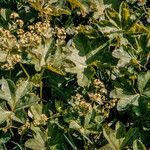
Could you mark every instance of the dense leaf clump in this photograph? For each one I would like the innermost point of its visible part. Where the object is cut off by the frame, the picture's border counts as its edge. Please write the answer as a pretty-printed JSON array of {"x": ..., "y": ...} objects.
[{"x": 74, "y": 74}]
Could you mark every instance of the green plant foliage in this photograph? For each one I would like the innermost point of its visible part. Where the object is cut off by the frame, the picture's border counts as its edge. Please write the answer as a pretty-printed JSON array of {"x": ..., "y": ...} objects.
[
  {"x": 83, "y": 56},
  {"x": 138, "y": 145},
  {"x": 74, "y": 75},
  {"x": 120, "y": 138},
  {"x": 138, "y": 97}
]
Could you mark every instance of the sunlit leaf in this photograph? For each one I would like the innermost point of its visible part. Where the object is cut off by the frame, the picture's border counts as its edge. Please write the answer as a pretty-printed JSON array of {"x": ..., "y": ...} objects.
[
  {"x": 3, "y": 56},
  {"x": 7, "y": 91},
  {"x": 35, "y": 111},
  {"x": 109, "y": 134},
  {"x": 99, "y": 8},
  {"x": 113, "y": 17},
  {"x": 5, "y": 115},
  {"x": 38, "y": 142},
  {"x": 23, "y": 88},
  {"x": 143, "y": 79},
  {"x": 79, "y": 4},
  {"x": 138, "y": 145},
  {"x": 124, "y": 54},
  {"x": 124, "y": 14},
  {"x": 53, "y": 69},
  {"x": 27, "y": 101}
]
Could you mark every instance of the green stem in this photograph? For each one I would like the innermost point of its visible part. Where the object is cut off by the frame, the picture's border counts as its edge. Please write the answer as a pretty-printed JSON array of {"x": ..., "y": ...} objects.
[
  {"x": 10, "y": 74},
  {"x": 70, "y": 142},
  {"x": 41, "y": 84},
  {"x": 24, "y": 70},
  {"x": 41, "y": 90}
]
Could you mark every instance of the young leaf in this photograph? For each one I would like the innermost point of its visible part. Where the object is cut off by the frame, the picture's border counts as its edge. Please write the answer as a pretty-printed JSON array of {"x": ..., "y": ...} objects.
[
  {"x": 79, "y": 4},
  {"x": 113, "y": 17},
  {"x": 124, "y": 13}
]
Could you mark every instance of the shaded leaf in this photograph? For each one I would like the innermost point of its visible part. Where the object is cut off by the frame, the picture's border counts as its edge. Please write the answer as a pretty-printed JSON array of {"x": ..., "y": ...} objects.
[
  {"x": 83, "y": 55},
  {"x": 120, "y": 130},
  {"x": 4, "y": 137},
  {"x": 131, "y": 135}
]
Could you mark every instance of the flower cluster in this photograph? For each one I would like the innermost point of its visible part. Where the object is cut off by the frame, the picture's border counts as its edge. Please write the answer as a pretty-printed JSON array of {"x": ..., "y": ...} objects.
[
  {"x": 42, "y": 29},
  {"x": 97, "y": 99},
  {"x": 28, "y": 39},
  {"x": 36, "y": 122},
  {"x": 27, "y": 125},
  {"x": 61, "y": 33},
  {"x": 17, "y": 39},
  {"x": 98, "y": 92},
  {"x": 79, "y": 103},
  {"x": 99, "y": 95},
  {"x": 11, "y": 60},
  {"x": 8, "y": 42},
  {"x": 37, "y": 32},
  {"x": 16, "y": 22},
  {"x": 9, "y": 49},
  {"x": 41, "y": 120}
]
